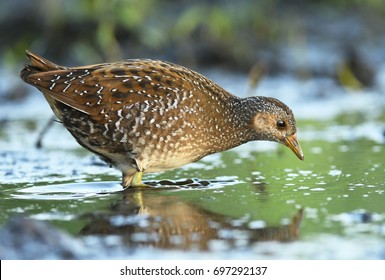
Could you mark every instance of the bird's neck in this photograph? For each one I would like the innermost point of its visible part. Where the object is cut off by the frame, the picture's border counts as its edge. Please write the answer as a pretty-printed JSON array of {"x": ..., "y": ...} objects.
[{"x": 236, "y": 127}]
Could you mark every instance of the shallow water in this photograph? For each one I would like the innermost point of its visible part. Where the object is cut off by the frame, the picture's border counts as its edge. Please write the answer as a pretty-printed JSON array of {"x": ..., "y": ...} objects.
[{"x": 255, "y": 201}]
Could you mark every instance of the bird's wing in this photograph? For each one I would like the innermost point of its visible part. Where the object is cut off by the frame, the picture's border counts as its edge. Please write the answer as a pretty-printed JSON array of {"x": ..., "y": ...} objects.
[
  {"x": 90, "y": 89},
  {"x": 99, "y": 89}
]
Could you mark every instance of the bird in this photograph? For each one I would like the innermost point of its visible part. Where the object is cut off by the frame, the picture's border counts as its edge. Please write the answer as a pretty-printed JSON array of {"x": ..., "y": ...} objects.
[{"x": 145, "y": 115}]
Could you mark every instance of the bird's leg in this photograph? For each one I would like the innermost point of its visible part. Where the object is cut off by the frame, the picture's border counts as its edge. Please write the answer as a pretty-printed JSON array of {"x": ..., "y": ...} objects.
[
  {"x": 137, "y": 180},
  {"x": 127, "y": 178},
  {"x": 43, "y": 132},
  {"x": 133, "y": 180}
]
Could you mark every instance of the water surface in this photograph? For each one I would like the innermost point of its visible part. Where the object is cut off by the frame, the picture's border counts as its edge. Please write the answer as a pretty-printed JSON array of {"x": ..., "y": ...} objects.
[{"x": 255, "y": 201}]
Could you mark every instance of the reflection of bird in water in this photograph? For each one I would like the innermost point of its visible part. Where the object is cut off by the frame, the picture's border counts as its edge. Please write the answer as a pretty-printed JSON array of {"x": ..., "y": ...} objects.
[
  {"x": 143, "y": 115},
  {"x": 169, "y": 222}
]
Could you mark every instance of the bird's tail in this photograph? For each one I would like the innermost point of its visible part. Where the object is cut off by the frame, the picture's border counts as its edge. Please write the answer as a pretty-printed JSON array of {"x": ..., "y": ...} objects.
[{"x": 38, "y": 64}]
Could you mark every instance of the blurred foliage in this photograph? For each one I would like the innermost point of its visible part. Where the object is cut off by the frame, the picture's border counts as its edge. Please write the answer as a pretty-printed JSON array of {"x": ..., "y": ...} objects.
[{"x": 230, "y": 33}]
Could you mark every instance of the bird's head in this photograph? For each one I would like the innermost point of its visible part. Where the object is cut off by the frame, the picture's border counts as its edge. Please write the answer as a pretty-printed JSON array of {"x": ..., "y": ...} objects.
[{"x": 274, "y": 121}]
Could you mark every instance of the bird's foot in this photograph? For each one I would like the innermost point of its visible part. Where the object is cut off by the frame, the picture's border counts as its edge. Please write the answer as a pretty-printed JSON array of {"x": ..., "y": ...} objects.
[{"x": 134, "y": 181}]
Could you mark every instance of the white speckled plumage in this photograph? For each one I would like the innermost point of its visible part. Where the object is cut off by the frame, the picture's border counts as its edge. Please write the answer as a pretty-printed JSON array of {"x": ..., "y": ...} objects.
[{"x": 145, "y": 115}]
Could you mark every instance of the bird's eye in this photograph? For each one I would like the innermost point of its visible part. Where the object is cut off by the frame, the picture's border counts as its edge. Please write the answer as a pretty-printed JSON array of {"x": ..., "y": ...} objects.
[{"x": 281, "y": 124}]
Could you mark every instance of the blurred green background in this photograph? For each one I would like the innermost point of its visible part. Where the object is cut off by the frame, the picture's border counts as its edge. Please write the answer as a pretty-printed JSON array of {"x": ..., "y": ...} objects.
[{"x": 232, "y": 34}]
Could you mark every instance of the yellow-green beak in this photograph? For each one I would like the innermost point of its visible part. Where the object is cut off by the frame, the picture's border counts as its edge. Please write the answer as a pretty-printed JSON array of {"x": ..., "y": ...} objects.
[{"x": 292, "y": 143}]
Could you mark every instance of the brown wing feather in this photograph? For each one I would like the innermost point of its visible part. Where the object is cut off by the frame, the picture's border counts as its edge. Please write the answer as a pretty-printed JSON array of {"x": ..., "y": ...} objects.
[
  {"x": 42, "y": 63},
  {"x": 99, "y": 89}
]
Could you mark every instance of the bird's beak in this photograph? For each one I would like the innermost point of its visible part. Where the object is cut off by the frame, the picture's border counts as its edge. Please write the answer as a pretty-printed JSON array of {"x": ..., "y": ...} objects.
[{"x": 292, "y": 143}]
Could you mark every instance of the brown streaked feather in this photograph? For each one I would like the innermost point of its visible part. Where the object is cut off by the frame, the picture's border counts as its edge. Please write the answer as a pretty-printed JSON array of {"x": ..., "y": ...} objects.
[
  {"x": 38, "y": 64},
  {"x": 98, "y": 89},
  {"x": 42, "y": 63}
]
